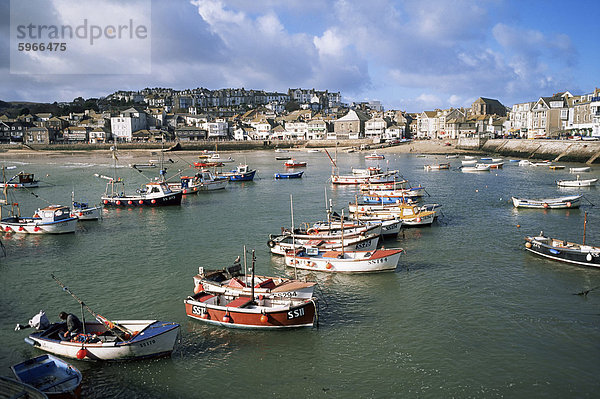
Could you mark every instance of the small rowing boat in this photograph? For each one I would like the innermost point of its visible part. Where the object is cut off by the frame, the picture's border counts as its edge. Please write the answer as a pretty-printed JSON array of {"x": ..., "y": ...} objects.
[
  {"x": 51, "y": 375},
  {"x": 581, "y": 169},
  {"x": 344, "y": 262},
  {"x": 290, "y": 175},
  {"x": 437, "y": 166},
  {"x": 571, "y": 201},
  {"x": 577, "y": 183},
  {"x": 374, "y": 156},
  {"x": 292, "y": 163}
]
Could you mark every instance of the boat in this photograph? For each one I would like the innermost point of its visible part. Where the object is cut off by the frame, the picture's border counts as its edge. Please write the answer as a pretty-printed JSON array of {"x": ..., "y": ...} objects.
[
  {"x": 480, "y": 167},
  {"x": 51, "y": 375},
  {"x": 216, "y": 157},
  {"x": 496, "y": 165},
  {"x": 292, "y": 163},
  {"x": 344, "y": 262},
  {"x": 524, "y": 162},
  {"x": 542, "y": 163},
  {"x": 409, "y": 193},
  {"x": 581, "y": 169},
  {"x": 469, "y": 157},
  {"x": 571, "y": 201},
  {"x": 82, "y": 211},
  {"x": 469, "y": 162},
  {"x": 154, "y": 193},
  {"x": 451, "y": 156},
  {"x": 389, "y": 227},
  {"x": 411, "y": 215},
  {"x": 281, "y": 150},
  {"x": 206, "y": 164},
  {"x": 395, "y": 185},
  {"x": 280, "y": 244},
  {"x": 142, "y": 165},
  {"x": 577, "y": 183},
  {"x": 556, "y": 167},
  {"x": 289, "y": 175},
  {"x": 10, "y": 389},
  {"x": 374, "y": 156},
  {"x": 369, "y": 175},
  {"x": 563, "y": 251},
  {"x": 251, "y": 311},
  {"x": 104, "y": 339},
  {"x": 241, "y": 173},
  {"x": 234, "y": 282},
  {"x": 486, "y": 159},
  {"x": 21, "y": 180},
  {"x": 52, "y": 219},
  {"x": 437, "y": 166},
  {"x": 386, "y": 199},
  {"x": 313, "y": 150},
  {"x": 496, "y": 160},
  {"x": 513, "y": 160},
  {"x": 201, "y": 181},
  {"x": 285, "y": 158}
]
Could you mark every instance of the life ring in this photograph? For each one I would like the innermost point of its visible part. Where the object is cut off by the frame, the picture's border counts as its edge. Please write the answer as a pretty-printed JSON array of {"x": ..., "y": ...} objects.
[
  {"x": 310, "y": 264},
  {"x": 271, "y": 243},
  {"x": 312, "y": 231},
  {"x": 569, "y": 204}
]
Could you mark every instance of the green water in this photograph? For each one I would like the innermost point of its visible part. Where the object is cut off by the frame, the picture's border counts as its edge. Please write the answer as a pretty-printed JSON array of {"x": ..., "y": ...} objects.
[{"x": 467, "y": 313}]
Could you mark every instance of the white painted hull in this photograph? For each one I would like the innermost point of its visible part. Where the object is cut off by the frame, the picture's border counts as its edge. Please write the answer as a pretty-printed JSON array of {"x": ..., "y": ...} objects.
[
  {"x": 93, "y": 213},
  {"x": 469, "y": 162},
  {"x": 352, "y": 262},
  {"x": 35, "y": 226},
  {"x": 548, "y": 203},
  {"x": 143, "y": 345},
  {"x": 20, "y": 185},
  {"x": 577, "y": 183},
  {"x": 214, "y": 185},
  {"x": 578, "y": 170},
  {"x": 368, "y": 243}
]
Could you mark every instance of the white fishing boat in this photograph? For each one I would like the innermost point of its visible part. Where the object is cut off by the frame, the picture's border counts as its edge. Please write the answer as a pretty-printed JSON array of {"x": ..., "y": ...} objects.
[
  {"x": 83, "y": 211},
  {"x": 440, "y": 166},
  {"x": 327, "y": 234},
  {"x": 451, "y": 156},
  {"x": 280, "y": 244},
  {"x": 374, "y": 156},
  {"x": 577, "y": 183},
  {"x": 216, "y": 157},
  {"x": 201, "y": 181},
  {"x": 542, "y": 163},
  {"x": 469, "y": 157},
  {"x": 496, "y": 160},
  {"x": 344, "y": 262},
  {"x": 469, "y": 162},
  {"x": 567, "y": 202},
  {"x": 53, "y": 219},
  {"x": 410, "y": 215},
  {"x": 580, "y": 169},
  {"x": 369, "y": 175},
  {"x": 20, "y": 180},
  {"x": 480, "y": 167},
  {"x": 524, "y": 162}
]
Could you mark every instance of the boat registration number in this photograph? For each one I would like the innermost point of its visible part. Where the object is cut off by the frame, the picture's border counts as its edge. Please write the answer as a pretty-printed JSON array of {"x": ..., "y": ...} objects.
[
  {"x": 293, "y": 314},
  {"x": 196, "y": 310},
  {"x": 380, "y": 260},
  {"x": 365, "y": 244}
]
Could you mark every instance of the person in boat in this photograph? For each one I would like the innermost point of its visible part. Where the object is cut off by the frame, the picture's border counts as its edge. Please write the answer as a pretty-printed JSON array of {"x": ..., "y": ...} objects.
[
  {"x": 74, "y": 326},
  {"x": 39, "y": 322}
]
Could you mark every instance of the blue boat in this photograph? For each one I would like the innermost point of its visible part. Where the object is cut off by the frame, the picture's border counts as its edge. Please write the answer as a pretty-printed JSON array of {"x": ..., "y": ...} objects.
[
  {"x": 51, "y": 375},
  {"x": 367, "y": 199},
  {"x": 291, "y": 175},
  {"x": 486, "y": 159},
  {"x": 241, "y": 173}
]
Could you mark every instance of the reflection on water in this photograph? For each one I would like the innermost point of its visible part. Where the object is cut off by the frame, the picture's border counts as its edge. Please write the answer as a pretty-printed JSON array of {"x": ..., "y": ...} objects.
[{"x": 467, "y": 312}]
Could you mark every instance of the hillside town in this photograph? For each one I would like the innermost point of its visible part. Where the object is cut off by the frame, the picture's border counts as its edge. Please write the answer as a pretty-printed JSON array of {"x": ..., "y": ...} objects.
[{"x": 156, "y": 114}]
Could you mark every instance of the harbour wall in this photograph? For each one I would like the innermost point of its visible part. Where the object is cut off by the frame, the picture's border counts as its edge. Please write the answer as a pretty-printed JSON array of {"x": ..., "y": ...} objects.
[{"x": 553, "y": 150}]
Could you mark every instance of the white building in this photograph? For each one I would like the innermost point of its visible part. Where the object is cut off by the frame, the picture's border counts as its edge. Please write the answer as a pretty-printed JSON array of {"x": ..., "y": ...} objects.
[
  {"x": 129, "y": 121},
  {"x": 217, "y": 129},
  {"x": 520, "y": 118},
  {"x": 375, "y": 128},
  {"x": 297, "y": 130}
]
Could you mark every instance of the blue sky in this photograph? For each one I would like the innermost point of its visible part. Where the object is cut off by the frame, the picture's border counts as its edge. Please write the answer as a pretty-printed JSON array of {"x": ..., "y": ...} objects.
[{"x": 412, "y": 55}]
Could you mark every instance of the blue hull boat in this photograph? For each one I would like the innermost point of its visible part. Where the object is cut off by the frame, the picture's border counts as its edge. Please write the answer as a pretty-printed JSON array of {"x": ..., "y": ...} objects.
[
  {"x": 51, "y": 375},
  {"x": 248, "y": 176},
  {"x": 384, "y": 200},
  {"x": 292, "y": 175}
]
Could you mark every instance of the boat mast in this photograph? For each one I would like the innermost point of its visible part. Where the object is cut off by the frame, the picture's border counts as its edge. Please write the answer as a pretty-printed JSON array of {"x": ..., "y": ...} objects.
[
  {"x": 245, "y": 263},
  {"x": 293, "y": 235},
  {"x": 252, "y": 282},
  {"x": 342, "y": 233},
  {"x": 584, "y": 226}
]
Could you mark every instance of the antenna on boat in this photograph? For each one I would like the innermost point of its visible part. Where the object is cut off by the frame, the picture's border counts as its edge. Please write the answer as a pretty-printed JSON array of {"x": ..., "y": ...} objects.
[
  {"x": 252, "y": 281},
  {"x": 245, "y": 263},
  {"x": 342, "y": 224},
  {"x": 584, "y": 226}
]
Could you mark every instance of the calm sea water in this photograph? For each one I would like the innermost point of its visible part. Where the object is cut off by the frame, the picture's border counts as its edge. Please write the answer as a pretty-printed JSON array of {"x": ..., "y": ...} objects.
[{"x": 467, "y": 313}]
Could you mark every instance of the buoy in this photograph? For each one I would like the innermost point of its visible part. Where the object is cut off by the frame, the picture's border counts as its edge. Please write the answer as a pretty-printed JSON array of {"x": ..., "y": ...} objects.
[
  {"x": 36, "y": 228},
  {"x": 569, "y": 204},
  {"x": 418, "y": 220},
  {"x": 105, "y": 202},
  {"x": 226, "y": 318},
  {"x": 588, "y": 257},
  {"x": 130, "y": 202},
  {"x": 329, "y": 266},
  {"x": 80, "y": 214},
  {"x": 545, "y": 205},
  {"x": 476, "y": 191},
  {"x": 81, "y": 353},
  {"x": 126, "y": 336},
  {"x": 7, "y": 228},
  {"x": 141, "y": 202},
  {"x": 264, "y": 318},
  {"x": 153, "y": 201},
  {"x": 204, "y": 315},
  {"x": 118, "y": 202},
  {"x": 21, "y": 228},
  {"x": 518, "y": 225},
  {"x": 199, "y": 288},
  {"x": 527, "y": 245}
]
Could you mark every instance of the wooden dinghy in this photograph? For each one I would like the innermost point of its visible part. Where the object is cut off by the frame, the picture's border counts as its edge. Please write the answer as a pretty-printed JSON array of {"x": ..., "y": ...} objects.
[
  {"x": 577, "y": 183},
  {"x": 290, "y": 175},
  {"x": 10, "y": 389},
  {"x": 571, "y": 201},
  {"x": 440, "y": 166},
  {"x": 281, "y": 244},
  {"x": 51, "y": 375},
  {"x": 580, "y": 169},
  {"x": 344, "y": 262}
]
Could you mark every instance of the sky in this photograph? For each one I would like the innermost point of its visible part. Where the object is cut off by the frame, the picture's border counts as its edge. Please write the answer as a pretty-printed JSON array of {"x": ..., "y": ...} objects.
[{"x": 412, "y": 55}]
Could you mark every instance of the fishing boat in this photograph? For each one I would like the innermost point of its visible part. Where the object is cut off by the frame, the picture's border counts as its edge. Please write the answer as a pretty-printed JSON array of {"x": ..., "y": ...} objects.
[
  {"x": 52, "y": 219},
  {"x": 389, "y": 227},
  {"x": 496, "y": 165},
  {"x": 563, "y": 251},
  {"x": 154, "y": 193},
  {"x": 280, "y": 244},
  {"x": 142, "y": 165},
  {"x": 51, "y": 375},
  {"x": 21, "y": 180},
  {"x": 216, "y": 157},
  {"x": 451, "y": 156},
  {"x": 374, "y": 156},
  {"x": 254, "y": 311},
  {"x": 313, "y": 150},
  {"x": 281, "y": 150},
  {"x": 556, "y": 167},
  {"x": 206, "y": 164},
  {"x": 469, "y": 157},
  {"x": 324, "y": 233},
  {"x": 284, "y": 158},
  {"x": 344, "y": 262},
  {"x": 525, "y": 162},
  {"x": 486, "y": 159},
  {"x": 411, "y": 215},
  {"x": 395, "y": 185},
  {"x": 241, "y": 173},
  {"x": 289, "y": 175},
  {"x": 201, "y": 181},
  {"x": 83, "y": 211},
  {"x": 103, "y": 339},
  {"x": 411, "y": 193},
  {"x": 234, "y": 282},
  {"x": 571, "y": 201},
  {"x": 577, "y": 183},
  {"x": 440, "y": 166},
  {"x": 480, "y": 167},
  {"x": 469, "y": 162},
  {"x": 496, "y": 160},
  {"x": 292, "y": 163},
  {"x": 580, "y": 169},
  {"x": 10, "y": 389},
  {"x": 362, "y": 176},
  {"x": 542, "y": 163}
]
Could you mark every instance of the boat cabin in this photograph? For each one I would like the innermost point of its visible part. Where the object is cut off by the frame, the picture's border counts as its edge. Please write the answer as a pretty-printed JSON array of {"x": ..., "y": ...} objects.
[
  {"x": 25, "y": 178},
  {"x": 242, "y": 169},
  {"x": 372, "y": 171},
  {"x": 53, "y": 213},
  {"x": 161, "y": 188}
]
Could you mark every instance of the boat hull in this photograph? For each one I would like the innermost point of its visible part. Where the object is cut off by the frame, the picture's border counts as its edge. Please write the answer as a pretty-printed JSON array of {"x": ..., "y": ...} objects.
[
  {"x": 36, "y": 226},
  {"x": 299, "y": 314},
  {"x": 377, "y": 261},
  {"x": 138, "y": 200},
  {"x": 155, "y": 338},
  {"x": 577, "y": 183},
  {"x": 93, "y": 213},
  {"x": 296, "y": 175},
  {"x": 563, "y": 251},
  {"x": 51, "y": 375},
  {"x": 368, "y": 243},
  {"x": 548, "y": 203}
]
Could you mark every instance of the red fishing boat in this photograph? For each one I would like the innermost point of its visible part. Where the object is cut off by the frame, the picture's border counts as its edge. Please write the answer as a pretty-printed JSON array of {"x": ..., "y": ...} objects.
[{"x": 292, "y": 163}]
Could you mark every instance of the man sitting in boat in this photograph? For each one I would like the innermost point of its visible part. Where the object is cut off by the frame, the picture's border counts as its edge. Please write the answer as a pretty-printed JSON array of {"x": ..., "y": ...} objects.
[
  {"x": 74, "y": 326},
  {"x": 39, "y": 322}
]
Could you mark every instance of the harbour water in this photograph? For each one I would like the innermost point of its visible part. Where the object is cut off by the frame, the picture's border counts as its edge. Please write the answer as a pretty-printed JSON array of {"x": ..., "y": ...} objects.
[{"x": 467, "y": 313}]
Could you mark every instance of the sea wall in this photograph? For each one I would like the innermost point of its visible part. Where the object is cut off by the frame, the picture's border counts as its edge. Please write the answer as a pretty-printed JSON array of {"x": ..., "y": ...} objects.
[{"x": 554, "y": 150}]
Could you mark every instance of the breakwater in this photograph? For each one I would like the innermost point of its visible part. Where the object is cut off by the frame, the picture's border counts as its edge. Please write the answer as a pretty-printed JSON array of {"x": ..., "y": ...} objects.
[{"x": 554, "y": 150}]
